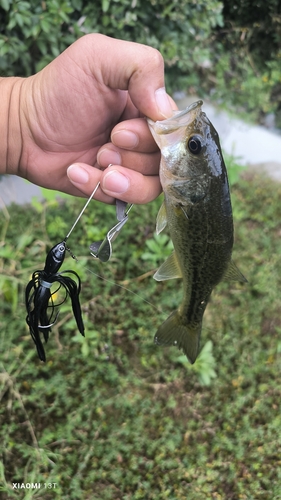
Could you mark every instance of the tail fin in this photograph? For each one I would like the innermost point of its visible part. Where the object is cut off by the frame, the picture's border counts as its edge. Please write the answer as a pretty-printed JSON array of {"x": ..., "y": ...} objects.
[{"x": 174, "y": 331}]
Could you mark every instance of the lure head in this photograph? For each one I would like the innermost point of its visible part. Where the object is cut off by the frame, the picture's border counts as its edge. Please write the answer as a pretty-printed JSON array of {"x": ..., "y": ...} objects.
[{"x": 55, "y": 258}]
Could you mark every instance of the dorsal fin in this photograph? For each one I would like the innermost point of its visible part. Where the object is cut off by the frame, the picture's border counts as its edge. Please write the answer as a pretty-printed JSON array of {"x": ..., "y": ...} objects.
[{"x": 232, "y": 273}]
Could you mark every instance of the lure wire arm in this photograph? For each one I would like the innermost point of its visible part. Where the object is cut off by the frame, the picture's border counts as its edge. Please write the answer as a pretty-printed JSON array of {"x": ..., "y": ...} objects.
[{"x": 82, "y": 211}]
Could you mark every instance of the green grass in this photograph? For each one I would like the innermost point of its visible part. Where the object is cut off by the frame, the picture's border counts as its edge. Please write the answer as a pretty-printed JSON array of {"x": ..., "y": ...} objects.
[{"x": 116, "y": 417}]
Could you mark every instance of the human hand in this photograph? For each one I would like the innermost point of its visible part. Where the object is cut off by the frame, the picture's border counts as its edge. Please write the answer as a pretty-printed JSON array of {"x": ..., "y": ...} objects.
[{"x": 98, "y": 88}]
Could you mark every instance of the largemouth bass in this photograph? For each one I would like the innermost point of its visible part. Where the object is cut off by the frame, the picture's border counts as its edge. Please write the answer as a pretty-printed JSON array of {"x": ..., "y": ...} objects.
[{"x": 197, "y": 210}]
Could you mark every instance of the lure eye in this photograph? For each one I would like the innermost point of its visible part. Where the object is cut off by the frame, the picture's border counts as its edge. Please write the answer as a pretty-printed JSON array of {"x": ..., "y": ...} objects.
[{"x": 194, "y": 145}]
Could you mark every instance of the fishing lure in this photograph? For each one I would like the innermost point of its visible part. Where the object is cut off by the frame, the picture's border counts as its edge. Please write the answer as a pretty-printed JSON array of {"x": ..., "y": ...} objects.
[
  {"x": 42, "y": 310},
  {"x": 39, "y": 297},
  {"x": 39, "y": 301}
]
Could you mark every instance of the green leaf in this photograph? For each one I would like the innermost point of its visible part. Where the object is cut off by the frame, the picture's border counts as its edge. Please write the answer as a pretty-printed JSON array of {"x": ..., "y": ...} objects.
[
  {"x": 41, "y": 43},
  {"x": 24, "y": 241},
  {"x": 4, "y": 47},
  {"x": 45, "y": 25},
  {"x": 35, "y": 30},
  {"x": 12, "y": 23},
  {"x": 6, "y": 251},
  {"x": 105, "y": 5},
  {"x": 55, "y": 50},
  {"x": 5, "y": 4},
  {"x": 77, "y": 4},
  {"x": 85, "y": 349},
  {"x": 19, "y": 19},
  {"x": 64, "y": 16}
]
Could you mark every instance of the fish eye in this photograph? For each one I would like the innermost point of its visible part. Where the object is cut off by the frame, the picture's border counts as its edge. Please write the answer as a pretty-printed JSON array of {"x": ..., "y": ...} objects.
[{"x": 194, "y": 145}]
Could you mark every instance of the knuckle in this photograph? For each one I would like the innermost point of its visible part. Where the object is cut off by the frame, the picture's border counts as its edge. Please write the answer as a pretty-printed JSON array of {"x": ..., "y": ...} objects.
[{"x": 156, "y": 58}]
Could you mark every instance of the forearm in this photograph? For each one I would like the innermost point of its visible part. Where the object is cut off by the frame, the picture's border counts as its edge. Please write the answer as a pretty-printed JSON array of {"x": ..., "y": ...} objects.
[{"x": 10, "y": 125}]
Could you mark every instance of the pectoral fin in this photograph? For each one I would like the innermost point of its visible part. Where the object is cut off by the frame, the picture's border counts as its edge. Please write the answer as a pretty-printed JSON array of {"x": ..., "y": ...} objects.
[
  {"x": 161, "y": 220},
  {"x": 169, "y": 269},
  {"x": 233, "y": 273}
]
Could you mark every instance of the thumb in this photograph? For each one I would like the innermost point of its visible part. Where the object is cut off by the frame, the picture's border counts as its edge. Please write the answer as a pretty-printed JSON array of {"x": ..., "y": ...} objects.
[{"x": 134, "y": 67}]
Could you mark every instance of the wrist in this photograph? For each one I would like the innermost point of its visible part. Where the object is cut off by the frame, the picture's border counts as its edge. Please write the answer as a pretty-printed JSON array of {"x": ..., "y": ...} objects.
[{"x": 10, "y": 124}]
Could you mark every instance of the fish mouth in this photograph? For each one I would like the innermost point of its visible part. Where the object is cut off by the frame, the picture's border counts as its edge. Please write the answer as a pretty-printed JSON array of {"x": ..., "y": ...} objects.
[{"x": 179, "y": 119}]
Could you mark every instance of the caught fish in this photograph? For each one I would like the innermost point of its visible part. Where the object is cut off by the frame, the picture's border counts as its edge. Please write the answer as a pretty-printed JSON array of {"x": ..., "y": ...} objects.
[{"x": 197, "y": 211}]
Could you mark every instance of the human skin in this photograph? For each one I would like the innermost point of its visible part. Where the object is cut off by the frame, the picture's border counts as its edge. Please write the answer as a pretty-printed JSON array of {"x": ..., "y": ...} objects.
[{"x": 64, "y": 126}]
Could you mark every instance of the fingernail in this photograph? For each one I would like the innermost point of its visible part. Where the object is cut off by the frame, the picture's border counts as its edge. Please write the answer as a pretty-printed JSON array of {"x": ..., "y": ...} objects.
[
  {"x": 114, "y": 182},
  {"x": 77, "y": 174},
  {"x": 125, "y": 139},
  {"x": 163, "y": 102},
  {"x": 107, "y": 156}
]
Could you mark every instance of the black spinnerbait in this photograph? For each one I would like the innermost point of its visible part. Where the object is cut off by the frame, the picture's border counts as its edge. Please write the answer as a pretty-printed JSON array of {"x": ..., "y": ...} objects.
[{"x": 39, "y": 298}]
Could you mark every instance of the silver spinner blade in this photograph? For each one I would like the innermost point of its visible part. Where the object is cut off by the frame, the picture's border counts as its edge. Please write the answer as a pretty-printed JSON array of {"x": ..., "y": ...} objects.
[{"x": 103, "y": 249}]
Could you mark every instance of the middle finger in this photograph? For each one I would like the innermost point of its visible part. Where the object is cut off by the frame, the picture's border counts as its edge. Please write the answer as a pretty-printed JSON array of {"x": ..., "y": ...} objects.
[{"x": 145, "y": 163}]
